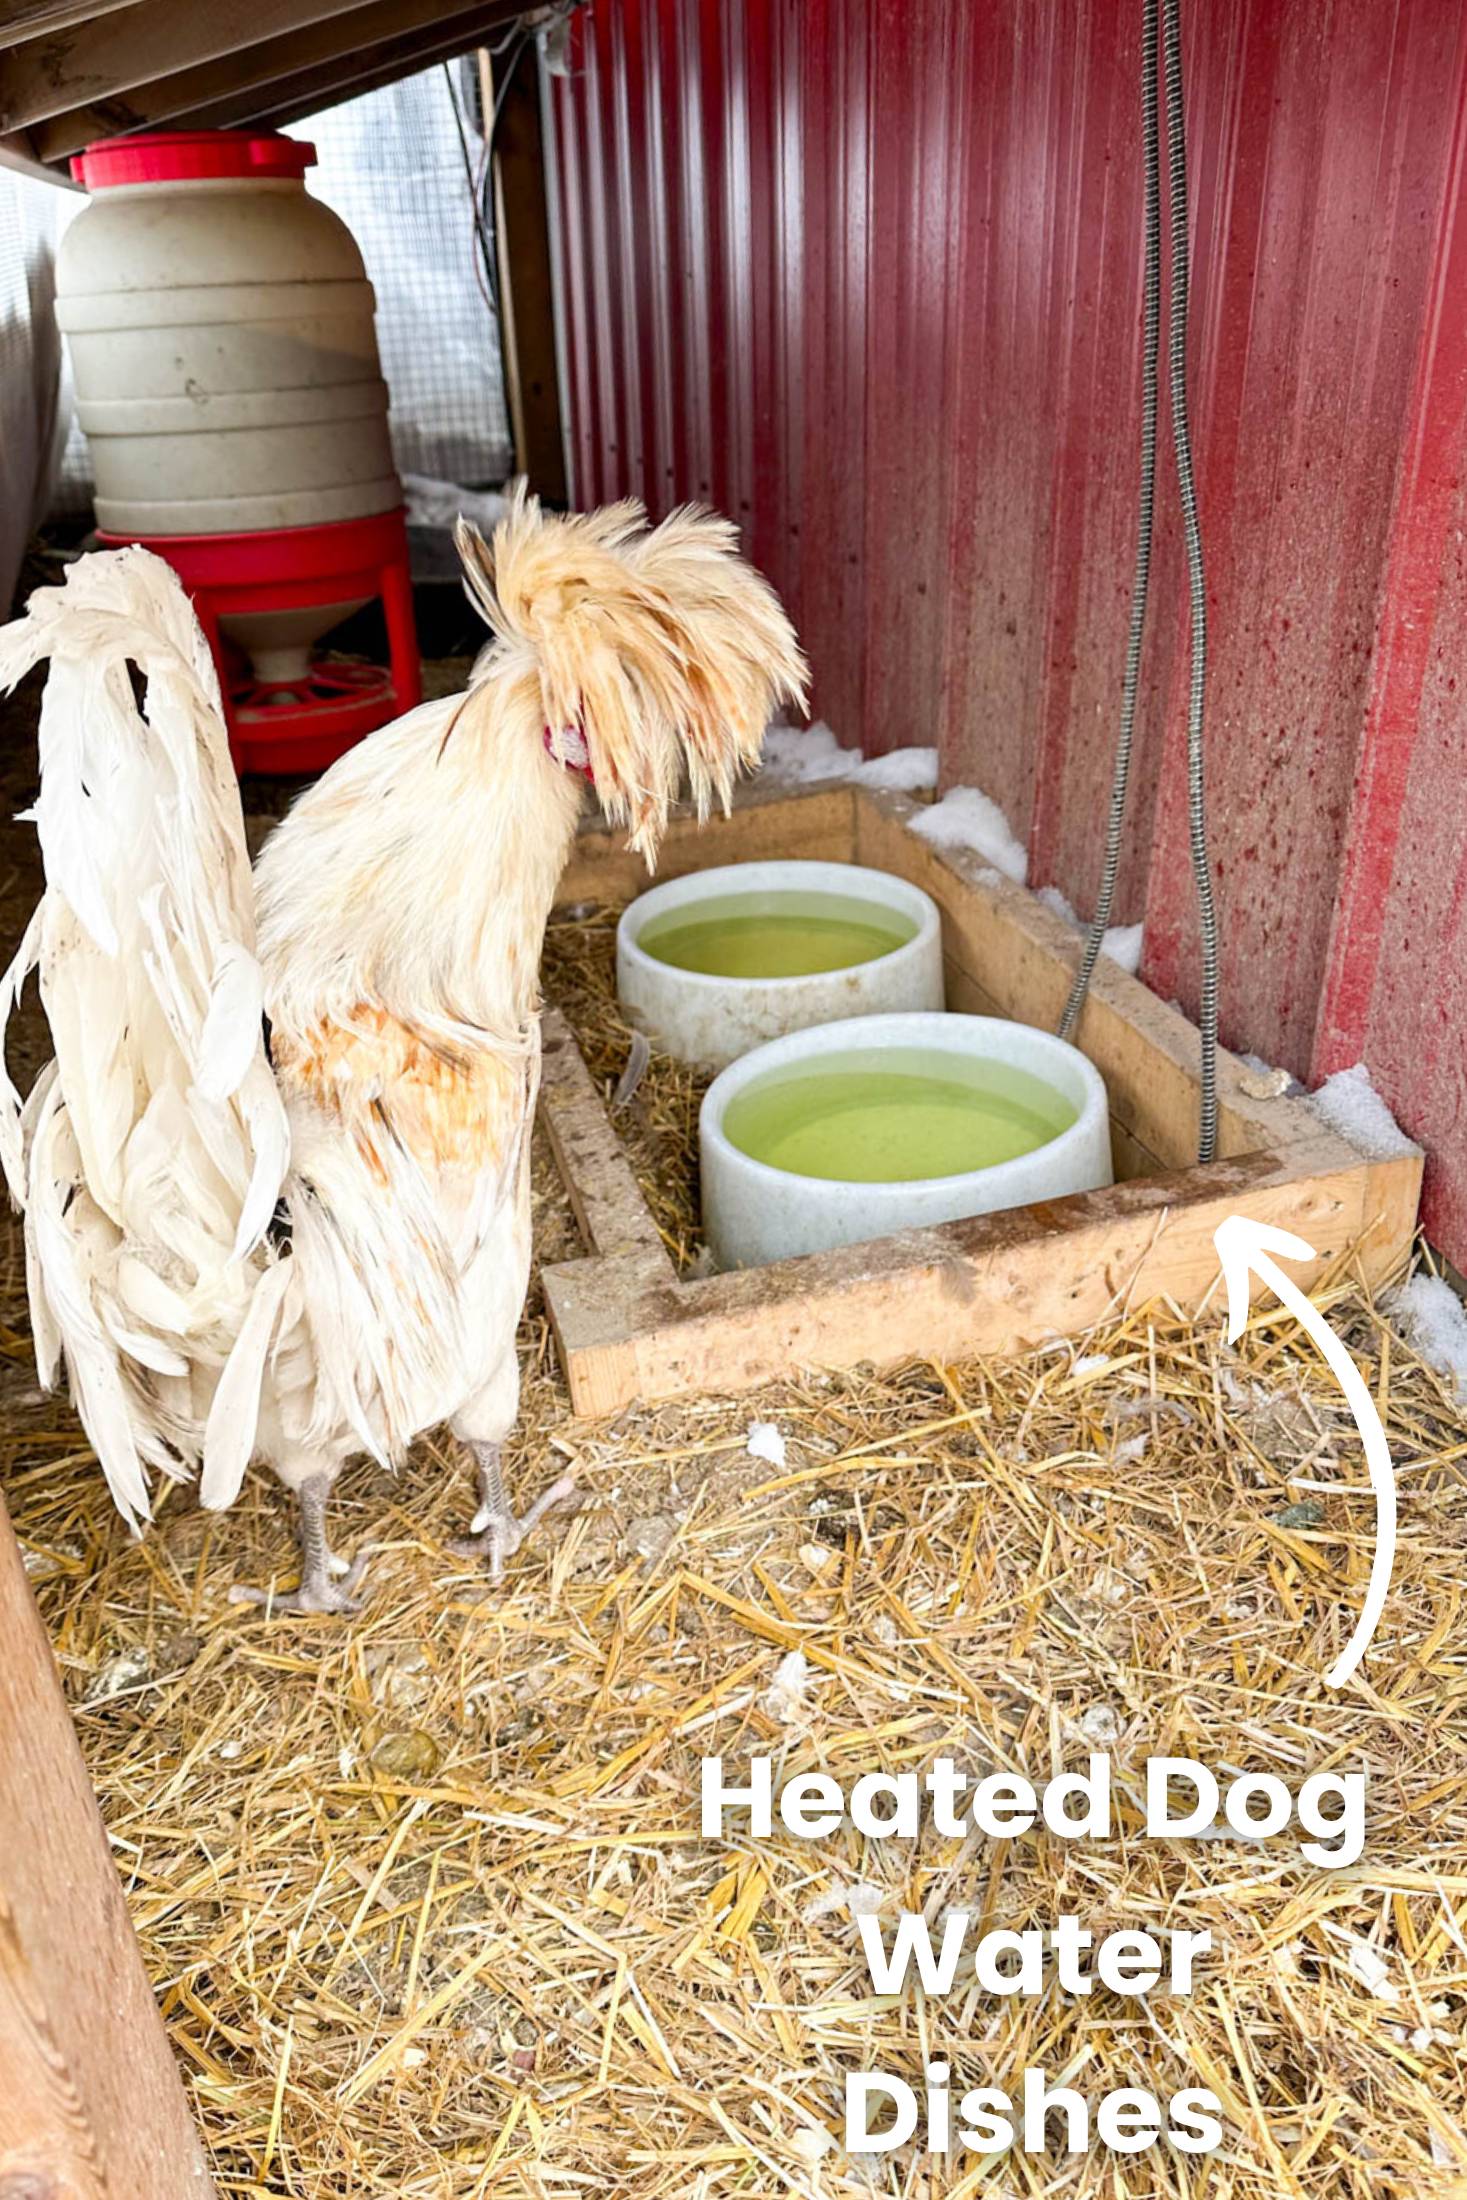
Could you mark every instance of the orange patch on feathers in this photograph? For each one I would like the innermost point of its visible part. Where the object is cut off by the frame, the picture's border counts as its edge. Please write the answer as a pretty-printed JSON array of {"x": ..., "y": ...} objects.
[{"x": 385, "y": 1082}]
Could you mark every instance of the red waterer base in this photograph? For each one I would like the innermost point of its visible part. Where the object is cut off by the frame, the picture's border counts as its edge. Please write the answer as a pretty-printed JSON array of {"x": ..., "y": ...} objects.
[{"x": 300, "y": 725}]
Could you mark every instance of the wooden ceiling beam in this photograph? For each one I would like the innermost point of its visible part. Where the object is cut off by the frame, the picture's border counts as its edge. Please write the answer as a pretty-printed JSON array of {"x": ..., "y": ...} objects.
[
  {"x": 19, "y": 154},
  {"x": 246, "y": 83},
  {"x": 30, "y": 18},
  {"x": 84, "y": 64},
  {"x": 292, "y": 99}
]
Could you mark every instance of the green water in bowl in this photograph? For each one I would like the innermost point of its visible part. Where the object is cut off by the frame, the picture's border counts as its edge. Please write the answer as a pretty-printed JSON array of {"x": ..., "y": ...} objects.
[
  {"x": 781, "y": 934},
  {"x": 894, "y": 1117}
]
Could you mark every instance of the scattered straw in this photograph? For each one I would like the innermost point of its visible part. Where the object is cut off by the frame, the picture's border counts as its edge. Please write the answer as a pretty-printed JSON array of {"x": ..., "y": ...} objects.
[
  {"x": 424, "y": 1898},
  {"x": 659, "y": 1124}
]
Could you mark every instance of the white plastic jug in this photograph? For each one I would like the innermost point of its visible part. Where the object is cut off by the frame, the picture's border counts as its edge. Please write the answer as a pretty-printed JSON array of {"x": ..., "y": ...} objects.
[{"x": 221, "y": 331}]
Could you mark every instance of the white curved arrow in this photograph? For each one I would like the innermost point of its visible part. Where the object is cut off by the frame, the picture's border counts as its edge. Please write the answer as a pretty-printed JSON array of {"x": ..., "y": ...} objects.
[{"x": 1243, "y": 1244}]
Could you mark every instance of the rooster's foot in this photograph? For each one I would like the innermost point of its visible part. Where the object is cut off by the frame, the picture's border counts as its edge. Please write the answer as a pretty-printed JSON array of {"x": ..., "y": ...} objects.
[
  {"x": 319, "y": 1595},
  {"x": 498, "y": 1532}
]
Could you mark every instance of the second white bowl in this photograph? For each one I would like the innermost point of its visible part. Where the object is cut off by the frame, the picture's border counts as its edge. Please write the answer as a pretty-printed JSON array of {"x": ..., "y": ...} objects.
[{"x": 754, "y": 1213}]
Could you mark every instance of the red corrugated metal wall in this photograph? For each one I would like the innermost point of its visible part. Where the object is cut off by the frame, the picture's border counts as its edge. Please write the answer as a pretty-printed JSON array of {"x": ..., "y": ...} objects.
[{"x": 868, "y": 278}]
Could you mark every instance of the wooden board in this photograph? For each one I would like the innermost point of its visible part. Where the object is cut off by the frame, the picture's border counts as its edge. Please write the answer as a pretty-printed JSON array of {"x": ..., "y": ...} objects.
[
  {"x": 74, "y": 70},
  {"x": 90, "y": 61},
  {"x": 627, "y": 1327},
  {"x": 242, "y": 85},
  {"x": 312, "y": 91},
  {"x": 91, "y": 2107},
  {"x": 21, "y": 19},
  {"x": 765, "y": 825},
  {"x": 522, "y": 232}
]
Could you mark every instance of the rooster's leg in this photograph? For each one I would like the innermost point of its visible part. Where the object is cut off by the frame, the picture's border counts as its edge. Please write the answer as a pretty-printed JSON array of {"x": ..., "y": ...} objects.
[
  {"x": 498, "y": 1532},
  {"x": 318, "y": 1592}
]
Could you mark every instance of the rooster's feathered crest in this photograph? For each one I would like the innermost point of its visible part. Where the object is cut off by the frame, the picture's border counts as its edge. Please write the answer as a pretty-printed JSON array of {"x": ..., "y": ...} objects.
[{"x": 660, "y": 645}]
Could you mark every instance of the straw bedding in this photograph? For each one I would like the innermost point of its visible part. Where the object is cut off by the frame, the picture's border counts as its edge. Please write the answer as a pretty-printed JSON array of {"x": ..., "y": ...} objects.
[
  {"x": 658, "y": 1123},
  {"x": 424, "y": 1898}
]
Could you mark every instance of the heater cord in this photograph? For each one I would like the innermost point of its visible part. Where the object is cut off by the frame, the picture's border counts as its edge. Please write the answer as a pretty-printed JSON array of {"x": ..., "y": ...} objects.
[
  {"x": 1187, "y": 487},
  {"x": 1151, "y": 318},
  {"x": 1182, "y": 441}
]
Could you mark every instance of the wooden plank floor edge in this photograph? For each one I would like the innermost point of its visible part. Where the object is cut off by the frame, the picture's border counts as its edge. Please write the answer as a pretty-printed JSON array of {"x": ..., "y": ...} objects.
[
  {"x": 607, "y": 1202},
  {"x": 994, "y": 1284},
  {"x": 91, "y": 2103}
]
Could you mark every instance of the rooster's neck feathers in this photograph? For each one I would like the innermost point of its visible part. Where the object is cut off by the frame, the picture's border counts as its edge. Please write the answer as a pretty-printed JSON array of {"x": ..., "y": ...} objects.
[{"x": 415, "y": 879}]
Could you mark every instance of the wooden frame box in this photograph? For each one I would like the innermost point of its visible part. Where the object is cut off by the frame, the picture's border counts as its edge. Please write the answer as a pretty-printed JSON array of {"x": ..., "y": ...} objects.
[{"x": 628, "y": 1326}]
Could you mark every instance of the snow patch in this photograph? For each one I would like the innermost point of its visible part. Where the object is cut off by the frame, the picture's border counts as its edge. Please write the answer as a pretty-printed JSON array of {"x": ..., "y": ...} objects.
[
  {"x": 1060, "y": 903},
  {"x": 784, "y": 1698},
  {"x": 433, "y": 503},
  {"x": 966, "y": 818},
  {"x": 765, "y": 1441},
  {"x": 907, "y": 771},
  {"x": 1433, "y": 1320},
  {"x": 1122, "y": 942},
  {"x": 802, "y": 755},
  {"x": 1349, "y": 1103}
]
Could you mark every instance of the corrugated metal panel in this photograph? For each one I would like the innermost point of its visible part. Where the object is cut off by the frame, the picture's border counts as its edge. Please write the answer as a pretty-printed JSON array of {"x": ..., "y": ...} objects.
[
  {"x": 1324, "y": 141},
  {"x": 869, "y": 279},
  {"x": 1396, "y": 989}
]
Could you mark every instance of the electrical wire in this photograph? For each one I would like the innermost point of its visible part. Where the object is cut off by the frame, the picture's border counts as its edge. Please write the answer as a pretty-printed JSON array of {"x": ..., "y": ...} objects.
[
  {"x": 1176, "y": 126},
  {"x": 483, "y": 256},
  {"x": 1178, "y": 300},
  {"x": 1150, "y": 356},
  {"x": 477, "y": 174}
]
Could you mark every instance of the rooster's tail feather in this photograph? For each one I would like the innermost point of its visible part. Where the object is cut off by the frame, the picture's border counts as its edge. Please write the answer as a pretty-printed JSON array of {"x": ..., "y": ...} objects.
[{"x": 151, "y": 1158}]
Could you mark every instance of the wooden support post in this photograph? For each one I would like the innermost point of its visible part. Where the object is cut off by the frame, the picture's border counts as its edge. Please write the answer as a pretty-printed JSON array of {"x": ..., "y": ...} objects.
[
  {"x": 91, "y": 2107},
  {"x": 522, "y": 239}
]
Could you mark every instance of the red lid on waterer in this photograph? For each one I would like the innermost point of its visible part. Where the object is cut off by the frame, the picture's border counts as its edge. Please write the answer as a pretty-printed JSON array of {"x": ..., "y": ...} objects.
[{"x": 186, "y": 156}]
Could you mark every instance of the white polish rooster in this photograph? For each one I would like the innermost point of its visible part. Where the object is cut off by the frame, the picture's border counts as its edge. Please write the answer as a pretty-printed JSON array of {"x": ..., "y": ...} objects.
[{"x": 276, "y": 1180}]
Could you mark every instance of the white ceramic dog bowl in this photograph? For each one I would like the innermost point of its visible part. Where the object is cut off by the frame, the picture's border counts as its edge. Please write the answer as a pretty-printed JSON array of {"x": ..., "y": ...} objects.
[
  {"x": 711, "y": 1020},
  {"x": 754, "y": 1212}
]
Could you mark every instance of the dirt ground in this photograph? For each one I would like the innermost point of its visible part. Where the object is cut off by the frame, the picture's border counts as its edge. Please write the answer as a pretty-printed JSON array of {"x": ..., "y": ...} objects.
[{"x": 424, "y": 1898}]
